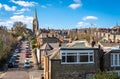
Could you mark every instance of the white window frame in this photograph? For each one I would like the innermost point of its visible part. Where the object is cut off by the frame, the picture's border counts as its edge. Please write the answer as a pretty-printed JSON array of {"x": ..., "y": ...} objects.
[
  {"x": 113, "y": 59},
  {"x": 87, "y": 52},
  {"x": 72, "y": 54}
]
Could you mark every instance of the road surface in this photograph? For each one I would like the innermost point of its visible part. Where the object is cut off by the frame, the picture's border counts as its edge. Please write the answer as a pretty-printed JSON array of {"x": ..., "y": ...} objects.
[{"x": 19, "y": 71}]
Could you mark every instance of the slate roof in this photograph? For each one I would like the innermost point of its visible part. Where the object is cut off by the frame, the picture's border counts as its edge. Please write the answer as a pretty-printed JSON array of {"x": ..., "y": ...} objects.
[
  {"x": 46, "y": 46},
  {"x": 108, "y": 47},
  {"x": 50, "y": 49},
  {"x": 115, "y": 51},
  {"x": 55, "y": 54},
  {"x": 109, "y": 44},
  {"x": 50, "y": 40},
  {"x": 78, "y": 45}
]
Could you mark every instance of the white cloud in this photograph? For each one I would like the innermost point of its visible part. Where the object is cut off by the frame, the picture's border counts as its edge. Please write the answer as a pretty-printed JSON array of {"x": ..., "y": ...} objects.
[
  {"x": 24, "y": 3},
  {"x": 8, "y": 8},
  {"x": 43, "y": 6},
  {"x": 75, "y": 6},
  {"x": 0, "y": 5},
  {"x": 82, "y": 25},
  {"x": 25, "y": 19},
  {"x": 46, "y": 6},
  {"x": 21, "y": 11},
  {"x": 85, "y": 24},
  {"x": 6, "y": 23},
  {"x": 90, "y": 18}
]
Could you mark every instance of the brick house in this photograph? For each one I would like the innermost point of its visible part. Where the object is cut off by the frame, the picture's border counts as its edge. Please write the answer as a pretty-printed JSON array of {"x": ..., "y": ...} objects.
[
  {"x": 45, "y": 50},
  {"x": 112, "y": 58},
  {"x": 76, "y": 60}
]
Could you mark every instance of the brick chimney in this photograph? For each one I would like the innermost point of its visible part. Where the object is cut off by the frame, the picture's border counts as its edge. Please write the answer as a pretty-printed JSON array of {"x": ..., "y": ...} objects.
[
  {"x": 114, "y": 38},
  {"x": 93, "y": 43}
]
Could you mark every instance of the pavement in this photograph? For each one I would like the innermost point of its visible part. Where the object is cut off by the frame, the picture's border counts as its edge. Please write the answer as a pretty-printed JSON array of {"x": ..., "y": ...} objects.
[
  {"x": 34, "y": 58},
  {"x": 2, "y": 74},
  {"x": 16, "y": 75},
  {"x": 38, "y": 74}
]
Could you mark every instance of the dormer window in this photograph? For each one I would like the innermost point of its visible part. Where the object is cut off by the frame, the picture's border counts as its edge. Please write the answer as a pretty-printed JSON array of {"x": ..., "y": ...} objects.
[{"x": 77, "y": 57}]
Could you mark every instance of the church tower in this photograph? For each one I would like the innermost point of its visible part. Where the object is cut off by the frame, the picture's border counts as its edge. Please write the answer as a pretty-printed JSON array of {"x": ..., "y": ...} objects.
[{"x": 35, "y": 23}]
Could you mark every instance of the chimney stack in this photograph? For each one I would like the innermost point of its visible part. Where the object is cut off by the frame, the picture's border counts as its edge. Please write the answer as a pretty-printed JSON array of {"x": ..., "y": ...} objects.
[{"x": 93, "y": 43}]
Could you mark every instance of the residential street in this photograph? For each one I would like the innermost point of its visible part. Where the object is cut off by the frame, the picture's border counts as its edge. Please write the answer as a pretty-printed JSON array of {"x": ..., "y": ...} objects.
[{"x": 19, "y": 71}]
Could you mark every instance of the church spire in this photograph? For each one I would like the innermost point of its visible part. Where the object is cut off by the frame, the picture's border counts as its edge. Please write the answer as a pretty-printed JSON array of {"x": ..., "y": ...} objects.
[
  {"x": 35, "y": 14},
  {"x": 35, "y": 22}
]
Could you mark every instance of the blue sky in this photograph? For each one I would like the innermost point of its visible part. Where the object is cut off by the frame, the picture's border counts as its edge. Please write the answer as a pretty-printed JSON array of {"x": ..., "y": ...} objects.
[{"x": 61, "y": 14}]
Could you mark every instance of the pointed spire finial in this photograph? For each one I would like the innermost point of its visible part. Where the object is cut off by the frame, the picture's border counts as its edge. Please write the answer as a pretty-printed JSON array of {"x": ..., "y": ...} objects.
[{"x": 35, "y": 14}]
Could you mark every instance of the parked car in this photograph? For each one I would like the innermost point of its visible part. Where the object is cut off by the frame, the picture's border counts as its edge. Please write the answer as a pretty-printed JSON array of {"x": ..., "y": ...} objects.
[
  {"x": 27, "y": 42},
  {"x": 15, "y": 55},
  {"x": 18, "y": 46},
  {"x": 27, "y": 64},
  {"x": 16, "y": 50},
  {"x": 13, "y": 58},
  {"x": 27, "y": 46},
  {"x": 27, "y": 60},
  {"x": 27, "y": 55},
  {"x": 11, "y": 63},
  {"x": 27, "y": 49}
]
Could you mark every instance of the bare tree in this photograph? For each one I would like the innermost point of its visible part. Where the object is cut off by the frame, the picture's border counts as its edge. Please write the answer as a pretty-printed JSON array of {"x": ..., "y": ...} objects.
[
  {"x": 6, "y": 42},
  {"x": 19, "y": 28}
]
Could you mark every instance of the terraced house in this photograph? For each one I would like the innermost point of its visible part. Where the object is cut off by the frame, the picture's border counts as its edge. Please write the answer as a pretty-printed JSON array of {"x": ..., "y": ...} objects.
[
  {"x": 111, "y": 57},
  {"x": 77, "y": 60}
]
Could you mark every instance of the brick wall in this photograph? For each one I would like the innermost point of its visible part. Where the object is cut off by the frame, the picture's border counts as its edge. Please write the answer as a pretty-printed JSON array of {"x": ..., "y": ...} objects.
[
  {"x": 73, "y": 71},
  {"x": 107, "y": 63}
]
